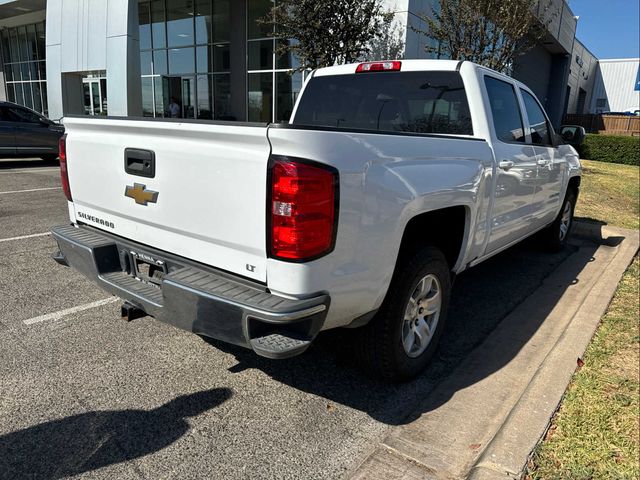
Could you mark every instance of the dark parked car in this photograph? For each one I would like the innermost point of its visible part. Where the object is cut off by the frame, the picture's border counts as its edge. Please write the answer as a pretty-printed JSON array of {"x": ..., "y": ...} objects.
[{"x": 25, "y": 133}]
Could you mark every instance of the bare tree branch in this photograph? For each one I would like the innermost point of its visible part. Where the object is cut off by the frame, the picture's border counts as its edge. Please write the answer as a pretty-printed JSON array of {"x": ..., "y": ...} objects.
[{"x": 489, "y": 32}]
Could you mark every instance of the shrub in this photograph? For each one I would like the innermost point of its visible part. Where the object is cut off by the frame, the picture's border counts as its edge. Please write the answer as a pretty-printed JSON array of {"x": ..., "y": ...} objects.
[{"x": 611, "y": 149}]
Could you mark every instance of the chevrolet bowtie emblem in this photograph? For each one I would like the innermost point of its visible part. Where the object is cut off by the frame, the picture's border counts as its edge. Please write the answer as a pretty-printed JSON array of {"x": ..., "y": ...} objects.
[{"x": 140, "y": 194}]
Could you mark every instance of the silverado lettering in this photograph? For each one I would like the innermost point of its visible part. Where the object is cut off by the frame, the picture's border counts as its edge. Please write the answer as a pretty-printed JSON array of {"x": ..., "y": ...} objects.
[{"x": 96, "y": 220}]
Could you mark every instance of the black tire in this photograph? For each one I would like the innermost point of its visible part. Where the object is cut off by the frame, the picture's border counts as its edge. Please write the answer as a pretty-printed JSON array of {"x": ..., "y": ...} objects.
[
  {"x": 49, "y": 158},
  {"x": 553, "y": 237},
  {"x": 380, "y": 347}
]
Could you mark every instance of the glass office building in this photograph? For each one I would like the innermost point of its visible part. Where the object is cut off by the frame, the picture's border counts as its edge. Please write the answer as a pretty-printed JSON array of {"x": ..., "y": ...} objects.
[
  {"x": 187, "y": 54},
  {"x": 199, "y": 59},
  {"x": 208, "y": 59},
  {"x": 23, "y": 59}
]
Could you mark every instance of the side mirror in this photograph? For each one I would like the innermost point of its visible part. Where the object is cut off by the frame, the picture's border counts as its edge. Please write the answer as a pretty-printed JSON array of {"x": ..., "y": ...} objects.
[{"x": 572, "y": 135}]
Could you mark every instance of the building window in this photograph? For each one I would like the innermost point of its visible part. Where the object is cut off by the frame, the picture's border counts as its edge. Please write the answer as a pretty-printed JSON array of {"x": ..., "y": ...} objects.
[
  {"x": 273, "y": 85},
  {"x": 23, "y": 55},
  {"x": 185, "y": 58}
]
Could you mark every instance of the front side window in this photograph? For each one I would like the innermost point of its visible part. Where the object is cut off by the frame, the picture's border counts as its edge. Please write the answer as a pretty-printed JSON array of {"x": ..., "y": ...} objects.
[
  {"x": 416, "y": 102},
  {"x": 537, "y": 121},
  {"x": 505, "y": 110}
]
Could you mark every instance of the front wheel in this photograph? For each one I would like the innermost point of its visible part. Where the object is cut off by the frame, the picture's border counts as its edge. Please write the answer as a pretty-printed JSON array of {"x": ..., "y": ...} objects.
[
  {"x": 556, "y": 235},
  {"x": 401, "y": 339}
]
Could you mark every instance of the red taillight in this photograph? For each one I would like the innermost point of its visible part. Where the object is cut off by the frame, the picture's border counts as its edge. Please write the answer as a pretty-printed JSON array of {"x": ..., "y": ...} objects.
[
  {"x": 302, "y": 210},
  {"x": 391, "y": 66},
  {"x": 64, "y": 172}
]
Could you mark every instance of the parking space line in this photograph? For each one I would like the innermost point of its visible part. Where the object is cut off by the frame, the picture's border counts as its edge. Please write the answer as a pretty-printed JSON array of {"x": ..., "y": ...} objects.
[
  {"x": 31, "y": 190},
  {"x": 24, "y": 237},
  {"x": 63, "y": 313}
]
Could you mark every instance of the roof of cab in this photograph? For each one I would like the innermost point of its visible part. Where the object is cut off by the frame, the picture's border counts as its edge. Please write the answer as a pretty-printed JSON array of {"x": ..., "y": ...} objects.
[
  {"x": 420, "y": 66},
  {"x": 407, "y": 66}
]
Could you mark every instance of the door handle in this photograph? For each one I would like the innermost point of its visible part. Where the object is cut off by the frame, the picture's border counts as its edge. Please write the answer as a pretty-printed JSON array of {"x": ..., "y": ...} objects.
[
  {"x": 140, "y": 162},
  {"x": 543, "y": 163},
  {"x": 506, "y": 164}
]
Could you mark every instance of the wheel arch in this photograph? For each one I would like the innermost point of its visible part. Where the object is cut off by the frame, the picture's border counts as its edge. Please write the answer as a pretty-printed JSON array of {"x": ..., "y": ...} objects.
[
  {"x": 574, "y": 184},
  {"x": 450, "y": 235}
]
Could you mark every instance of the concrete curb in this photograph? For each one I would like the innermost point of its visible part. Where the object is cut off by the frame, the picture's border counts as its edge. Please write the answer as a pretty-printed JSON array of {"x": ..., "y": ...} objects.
[{"x": 486, "y": 428}]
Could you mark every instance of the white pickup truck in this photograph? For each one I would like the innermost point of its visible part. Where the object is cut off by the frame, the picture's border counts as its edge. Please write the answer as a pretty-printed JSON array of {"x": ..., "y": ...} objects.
[{"x": 390, "y": 178}]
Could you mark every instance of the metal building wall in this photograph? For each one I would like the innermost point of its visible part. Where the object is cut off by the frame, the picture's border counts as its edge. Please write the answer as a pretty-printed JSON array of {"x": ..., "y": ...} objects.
[
  {"x": 534, "y": 69},
  {"x": 614, "y": 85},
  {"x": 582, "y": 75},
  {"x": 562, "y": 23}
]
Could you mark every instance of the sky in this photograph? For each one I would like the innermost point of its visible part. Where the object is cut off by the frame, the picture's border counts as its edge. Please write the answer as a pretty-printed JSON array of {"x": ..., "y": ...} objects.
[{"x": 609, "y": 28}]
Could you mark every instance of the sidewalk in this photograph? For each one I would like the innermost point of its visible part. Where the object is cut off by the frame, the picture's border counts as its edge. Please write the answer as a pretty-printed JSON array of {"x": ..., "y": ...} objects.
[{"x": 482, "y": 422}]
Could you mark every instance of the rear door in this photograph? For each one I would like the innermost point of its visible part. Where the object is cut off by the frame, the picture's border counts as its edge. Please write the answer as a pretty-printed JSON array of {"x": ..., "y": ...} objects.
[
  {"x": 192, "y": 189},
  {"x": 513, "y": 207},
  {"x": 7, "y": 140},
  {"x": 551, "y": 165}
]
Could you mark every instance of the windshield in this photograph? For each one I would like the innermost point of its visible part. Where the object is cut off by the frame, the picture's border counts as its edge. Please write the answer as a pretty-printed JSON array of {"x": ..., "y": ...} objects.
[{"x": 418, "y": 102}]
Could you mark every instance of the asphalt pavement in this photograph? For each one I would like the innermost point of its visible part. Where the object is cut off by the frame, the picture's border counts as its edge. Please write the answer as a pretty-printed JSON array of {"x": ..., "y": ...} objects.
[{"x": 84, "y": 393}]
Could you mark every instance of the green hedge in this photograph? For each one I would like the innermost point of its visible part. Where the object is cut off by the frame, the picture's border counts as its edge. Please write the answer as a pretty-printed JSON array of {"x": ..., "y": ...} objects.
[{"x": 611, "y": 148}]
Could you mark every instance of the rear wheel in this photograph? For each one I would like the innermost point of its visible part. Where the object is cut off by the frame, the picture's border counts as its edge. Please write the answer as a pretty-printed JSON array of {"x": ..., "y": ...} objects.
[
  {"x": 556, "y": 235},
  {"x": 401, "y": 339}
]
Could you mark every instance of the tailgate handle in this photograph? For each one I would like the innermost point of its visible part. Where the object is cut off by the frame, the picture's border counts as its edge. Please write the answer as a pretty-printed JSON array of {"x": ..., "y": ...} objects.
[{"x": 140, "y": 162}]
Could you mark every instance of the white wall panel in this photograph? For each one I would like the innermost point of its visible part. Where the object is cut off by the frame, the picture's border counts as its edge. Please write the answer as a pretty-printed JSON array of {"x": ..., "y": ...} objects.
[
  {"x": 70, "y": 35},
  {"x": 93, "y": 35},
  {"x": 118, "y": 19},
  {"x": 54, "y": 83},
  {"x": 96, "y": 35}
]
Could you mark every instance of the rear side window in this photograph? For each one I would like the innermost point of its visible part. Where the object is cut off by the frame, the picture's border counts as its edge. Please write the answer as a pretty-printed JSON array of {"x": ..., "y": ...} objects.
[
  {"x": 417, "y": 102},
  {"x": 22, "y": 115},
  {"x": 537, "y": 120},
  {"x": 505, "y": 110}
]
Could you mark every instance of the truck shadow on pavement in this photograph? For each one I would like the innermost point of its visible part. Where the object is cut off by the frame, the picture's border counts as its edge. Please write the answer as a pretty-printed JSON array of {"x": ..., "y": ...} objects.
[
  {"x": 88, "y": 441},
  {"x": 482, "y": 298},
  {"x": 7, "y": 164}
]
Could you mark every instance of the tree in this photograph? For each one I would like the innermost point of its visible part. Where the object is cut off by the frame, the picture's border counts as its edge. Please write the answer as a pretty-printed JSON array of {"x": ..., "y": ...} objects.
[
  {"x": 327, "y": 32},
  {"x": 389, "y": 44},
  {"x": 492, "y": 33}
]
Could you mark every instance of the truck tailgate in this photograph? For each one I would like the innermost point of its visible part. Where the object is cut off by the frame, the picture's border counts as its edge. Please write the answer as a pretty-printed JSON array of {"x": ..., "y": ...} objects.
[{"x": 211, "y": 183}]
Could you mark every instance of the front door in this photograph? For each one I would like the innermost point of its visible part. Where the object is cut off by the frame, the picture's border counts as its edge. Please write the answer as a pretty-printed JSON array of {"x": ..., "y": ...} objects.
[
  {"x": 32, "y": 132},
  {"x": 516, "y": 169},
  {"x": 551, "y": 166}
]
